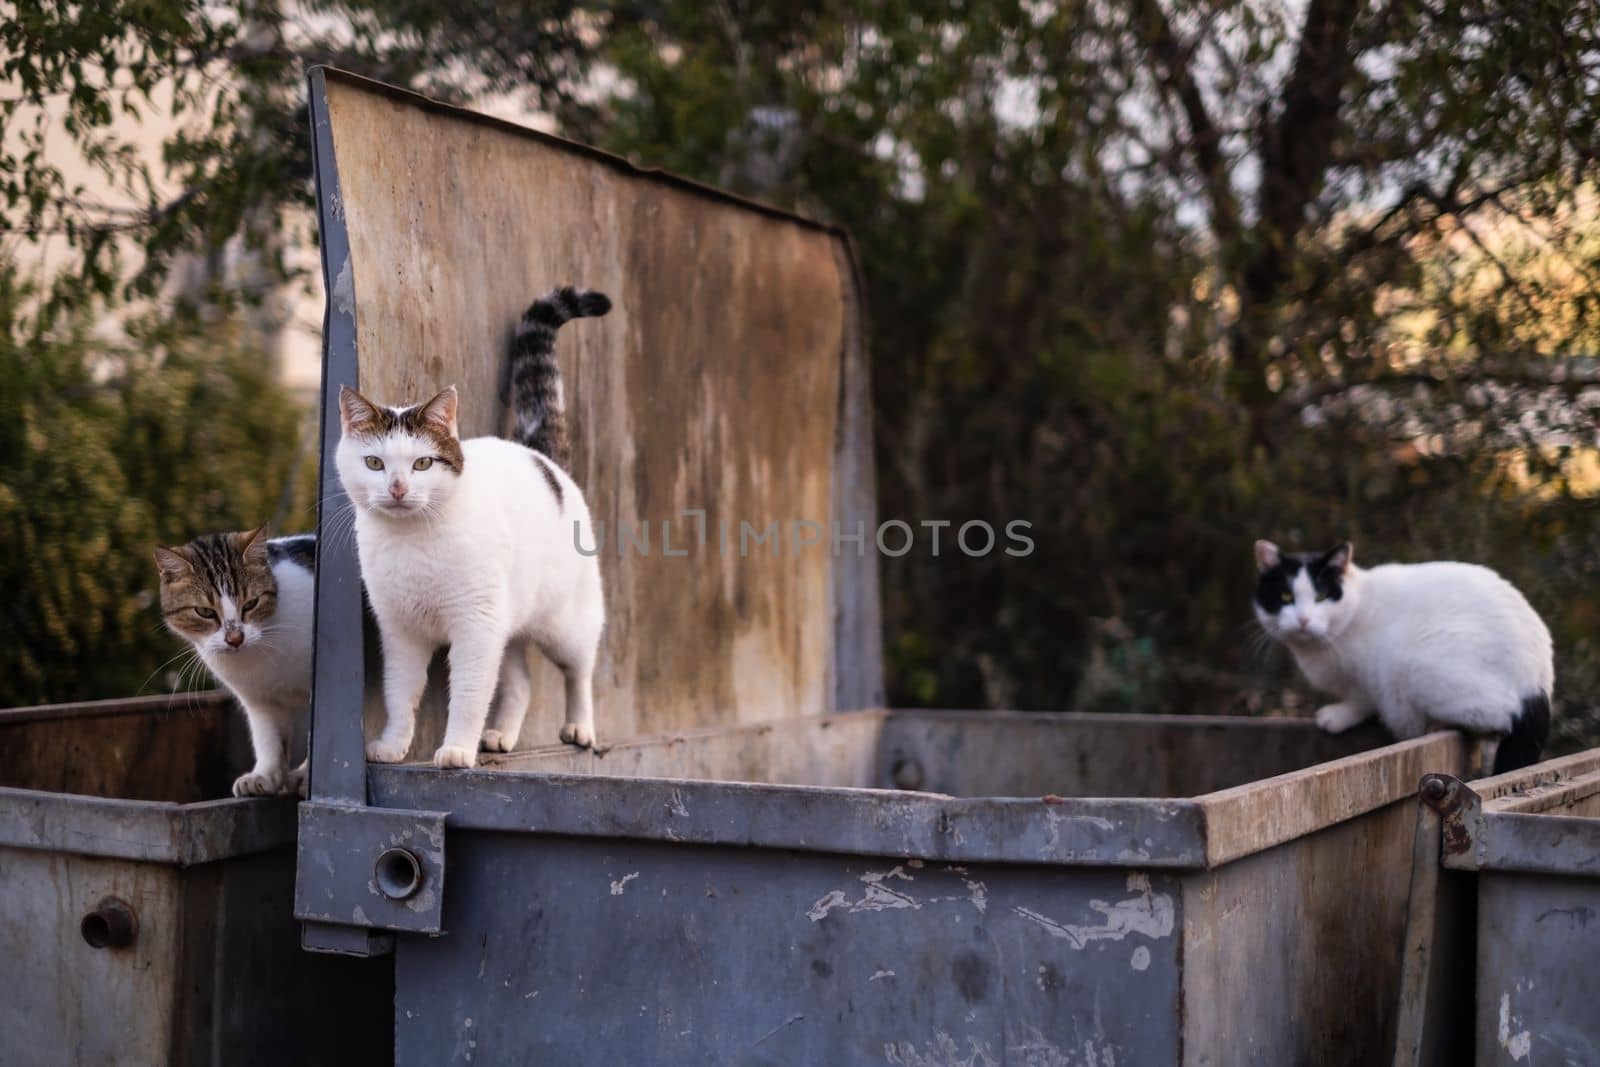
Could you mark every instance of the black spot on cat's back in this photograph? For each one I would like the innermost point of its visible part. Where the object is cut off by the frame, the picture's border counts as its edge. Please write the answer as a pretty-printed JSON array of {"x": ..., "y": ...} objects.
[
  {"x": 550, "y": 477},
  {"x": 299, "y": 549}
]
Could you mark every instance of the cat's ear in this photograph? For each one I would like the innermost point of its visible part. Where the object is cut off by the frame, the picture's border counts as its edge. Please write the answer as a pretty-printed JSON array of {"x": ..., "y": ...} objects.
[
  {"x": 171, "y": 563},
  {"x": 357, "y": 414},
  {"x": 252, "y": 542},
  {"x": 440, "y": 412},
  {"x": 1339, "y": 556},
  {"x": 1267, "y": 556}
]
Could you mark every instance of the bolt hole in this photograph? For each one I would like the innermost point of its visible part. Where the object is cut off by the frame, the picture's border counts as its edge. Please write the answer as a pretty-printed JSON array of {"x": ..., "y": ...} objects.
[
  {"x": 399, "y": 873},
  {"x": 111, "y": 925},
  {"x": 907, "y": 773}
]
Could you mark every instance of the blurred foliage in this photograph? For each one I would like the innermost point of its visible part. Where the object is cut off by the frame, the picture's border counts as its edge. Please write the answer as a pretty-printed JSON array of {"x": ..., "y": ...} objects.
[
  {"x": 1166, "y": 283},
  {"x": 1159, "y": 278},
  {"x": 112, "y": 448}
]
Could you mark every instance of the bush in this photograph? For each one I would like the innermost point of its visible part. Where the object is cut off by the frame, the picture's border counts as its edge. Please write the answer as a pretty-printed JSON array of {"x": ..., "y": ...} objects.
[{"x": 110, "y": 449}]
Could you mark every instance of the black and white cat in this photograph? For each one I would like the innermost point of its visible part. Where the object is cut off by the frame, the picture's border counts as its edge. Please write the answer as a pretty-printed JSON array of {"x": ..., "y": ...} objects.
[
  {"x": 1444, "y": 643},
  {"x": 474, "y": 544},
  {"x": 245, "y": 602}
]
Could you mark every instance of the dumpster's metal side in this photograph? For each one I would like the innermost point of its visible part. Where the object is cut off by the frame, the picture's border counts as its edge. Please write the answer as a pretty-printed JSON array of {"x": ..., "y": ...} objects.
[
  {"x": 573, "y": 951},
  {"x": 972, "y": 753},
  {"x": 146, "y": 748},
  {"x": 992, "y": 753},
  {"x": 213, "y": 973},
  {"x": 65, "y": 1002},
  {"x": 718, "y": 921},
  {"x": 1479, "y": 936},
  {"x": 1538, "y": 1000},
  {"x": 730, "y": 377},
  {"x": 1292, "y": 955}
]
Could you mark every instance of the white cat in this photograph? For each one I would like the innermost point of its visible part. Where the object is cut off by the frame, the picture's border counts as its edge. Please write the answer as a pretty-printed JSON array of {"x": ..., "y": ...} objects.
[
  {"x": 1452, "y": 644},
  {"x": 474, "y": 544},
  {"x": 245, "y": 603}
]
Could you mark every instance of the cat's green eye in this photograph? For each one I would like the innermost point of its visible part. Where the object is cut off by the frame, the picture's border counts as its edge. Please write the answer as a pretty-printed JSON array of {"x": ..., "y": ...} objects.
[
  {"x": 1288, "y": 597},
  {"x": 374, "y": 463},
  {"x": 250, "y": 605},
  {"x": 1321, "y": 597},
  {"x": 422, "y": 464},
  {"x": 206, "y": 613}
]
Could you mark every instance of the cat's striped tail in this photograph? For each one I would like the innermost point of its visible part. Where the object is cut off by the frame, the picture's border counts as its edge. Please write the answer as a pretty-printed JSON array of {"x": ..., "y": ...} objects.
[
  {"x": 536, "y": 395},
  {"x": 1529, "y": 731}
]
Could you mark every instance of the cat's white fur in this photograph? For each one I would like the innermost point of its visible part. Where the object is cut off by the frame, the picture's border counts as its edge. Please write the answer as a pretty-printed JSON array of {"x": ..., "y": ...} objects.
[
  {"x": 484, "y": 561},
  {"x": 1447, "y": 643},
  {"x": 270, "y": 674}
]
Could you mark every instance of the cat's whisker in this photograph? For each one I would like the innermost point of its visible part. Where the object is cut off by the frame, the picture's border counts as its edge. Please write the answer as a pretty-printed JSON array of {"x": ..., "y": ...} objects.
[{"x": 187, "y": 652}]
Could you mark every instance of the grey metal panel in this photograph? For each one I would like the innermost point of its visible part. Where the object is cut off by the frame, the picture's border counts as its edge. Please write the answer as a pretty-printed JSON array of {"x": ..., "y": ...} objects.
[
  {"x": 1292, "y": 955},
  {"x": 1535, "y": 844},
  {"x": 1434, "y": 1022},
  {"x": 337, "y": 879},
  {"x": 857, "y": 659},
  {"x": 614, "y": 952},
  {"x": 65, "y": 1002},
  {"x": 1538, "y": 995},
  {"x": 1080, "y": 831},
  {"x": 143, "y": 830},
  {"x": 338, "y": 748},
  {"x": 213, "y": 976}
]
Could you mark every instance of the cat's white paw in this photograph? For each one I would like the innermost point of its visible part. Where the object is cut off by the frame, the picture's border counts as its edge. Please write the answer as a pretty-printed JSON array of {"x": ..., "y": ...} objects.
[
  {"x": 295, "y": 782},
  {"x": 454, "y": 756},
  {"x": 578, "y": 733},
  {"x": 1337, "y": 718},
  {"x": 381, "y": 751},
  {"x": 495, "y": 741},
  {"x": 258, "y": 785}
]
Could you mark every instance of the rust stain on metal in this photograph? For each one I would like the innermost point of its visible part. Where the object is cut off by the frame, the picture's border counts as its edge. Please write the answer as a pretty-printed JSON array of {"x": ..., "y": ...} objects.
[{"x": 714, "y": 385}]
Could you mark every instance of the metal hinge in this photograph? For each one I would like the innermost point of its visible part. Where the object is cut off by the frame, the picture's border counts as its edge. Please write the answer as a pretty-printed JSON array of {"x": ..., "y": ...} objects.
[{"x": 378, "y": 869}]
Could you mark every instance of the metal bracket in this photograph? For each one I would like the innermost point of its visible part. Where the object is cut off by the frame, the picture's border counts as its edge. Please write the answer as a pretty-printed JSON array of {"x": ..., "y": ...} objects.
[
  {"x": 1461, "y": 820},
  {"x": 380, "y": 868}
]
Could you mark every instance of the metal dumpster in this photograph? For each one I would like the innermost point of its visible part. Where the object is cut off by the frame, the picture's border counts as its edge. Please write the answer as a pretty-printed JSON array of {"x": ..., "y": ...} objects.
[
  {"x": 765, "y": 866},
  {"x": 143, "y": 921},
  {"x": 1502, "y": 936}
]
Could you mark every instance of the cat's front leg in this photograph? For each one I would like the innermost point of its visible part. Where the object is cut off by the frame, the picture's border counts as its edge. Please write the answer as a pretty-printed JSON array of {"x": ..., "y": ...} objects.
[
  {"x": 1337, "y": 718},
  {"x": 474, "y": 669},
  {"x": 270, "y": 741},
  {"x": 405, "y": 673}
]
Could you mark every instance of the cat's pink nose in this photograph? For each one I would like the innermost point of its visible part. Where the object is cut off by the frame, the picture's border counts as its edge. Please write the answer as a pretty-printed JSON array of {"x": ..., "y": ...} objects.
[
  {"x": 235, "y": 638},
  {"x": 397, "y": 490},
  {"x": 1305, "y": 624}
]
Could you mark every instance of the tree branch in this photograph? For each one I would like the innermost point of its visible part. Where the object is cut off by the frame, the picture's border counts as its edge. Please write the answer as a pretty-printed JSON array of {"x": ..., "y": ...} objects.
[{"x": 1205, "y": 140}]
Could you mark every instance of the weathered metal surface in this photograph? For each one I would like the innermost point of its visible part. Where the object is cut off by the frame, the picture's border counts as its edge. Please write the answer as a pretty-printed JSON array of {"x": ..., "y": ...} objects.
[
  {"x": 181, "y": 834},
  {"x": 213, "y": 973},
  {"x": 856, "y": 660},
  {"x": 1292, "y": 955},
  {"x": 1479, "y": 847},
  {"x": 1531, "y": 844},
  {"x": 990, "y": 753},
  {"x": 340, "y": 867},
  {"x": 201, "y": 737},
  {"x": 1150, "y": 832},
  {"x": 1536, "y": 987},
  {"x": 1251, "y": 817},
  {"x": 728, "y": 322},
  {"x": 338, "y": 675},
  {"x": 1286, "y": 949},
  {"x": 581, "y": 951},
  {"x": 1433, "y": 1022}
]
